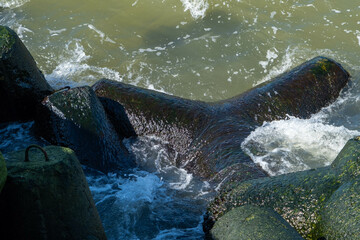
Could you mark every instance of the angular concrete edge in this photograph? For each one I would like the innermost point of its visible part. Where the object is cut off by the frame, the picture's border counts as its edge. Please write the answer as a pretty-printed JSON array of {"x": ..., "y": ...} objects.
[{"x": 253, "y": 223}]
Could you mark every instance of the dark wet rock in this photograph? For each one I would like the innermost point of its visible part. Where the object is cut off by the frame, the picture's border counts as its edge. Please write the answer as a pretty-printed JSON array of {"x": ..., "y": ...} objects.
[
  {"x": 47, "y": 199},
  {"x": 22, "y": 85},
  {"x": 117, "y": 115},
  {"x": 307, "y": 200},
  {"x": 3, "y": 172},
  {"x": 253, "y": 223},
  {"x": 208, "y": 136},
  {"x": 76, "y": 119}
]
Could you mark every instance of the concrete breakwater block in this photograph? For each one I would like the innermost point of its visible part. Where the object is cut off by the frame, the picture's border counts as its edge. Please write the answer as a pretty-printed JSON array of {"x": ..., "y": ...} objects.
[
  {"x": 318, "y": 203},
  {"x": 47, "y": 199},
  {"x": 22, "y": 85},
  {"x": 253, "y": 223},
  {"x": 75, "y": 118},
  {"x": 3, "y": 172},
  {"x": 208, "y": 136}
]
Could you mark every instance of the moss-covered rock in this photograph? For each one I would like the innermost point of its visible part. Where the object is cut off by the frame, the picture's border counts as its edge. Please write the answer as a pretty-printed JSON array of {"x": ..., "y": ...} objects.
[
  {"x": 47, "y": 199},
  {"x": 253, "y": 223},
  {"x": 75, "y": 118},
  {"x": 22, "y": 85},
  {"x": 340, "y": 217},
  {"x": 308, "y": 200},
  {"x": 3, "y": 172},
  {"x": 208, "y": 136}
]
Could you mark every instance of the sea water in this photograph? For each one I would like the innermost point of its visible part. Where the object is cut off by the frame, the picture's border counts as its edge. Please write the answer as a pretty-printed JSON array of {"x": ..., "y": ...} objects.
[{"x": 199, "y": 49}]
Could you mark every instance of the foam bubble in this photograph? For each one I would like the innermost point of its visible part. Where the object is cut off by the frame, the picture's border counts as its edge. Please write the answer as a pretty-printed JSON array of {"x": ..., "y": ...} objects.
[
  {"x": 197, "y": 8},
  {"x": 12, "y": 3},
  {"x": 296, "y": 144}
]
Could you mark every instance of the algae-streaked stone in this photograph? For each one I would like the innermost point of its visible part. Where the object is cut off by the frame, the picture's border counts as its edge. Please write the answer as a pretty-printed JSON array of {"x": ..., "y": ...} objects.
[
  {"x": 347, "y": 163},
  {"x": 340, "y": 218},
  {"x": 307, "y": 200},
  {"x": 48, "y": 200},
  {"x": 75, "y": 118},
  {"x": 297, "y": 197},
  {"x": 3, "y": 172},
  {"x": 22, "y": 85},
  {"x": 208, "y": 136},
  {"x": 253, "y": 223}
]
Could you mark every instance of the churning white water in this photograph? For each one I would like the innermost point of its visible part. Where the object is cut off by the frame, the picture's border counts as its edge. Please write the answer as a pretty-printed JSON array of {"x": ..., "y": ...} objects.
[{"x": 160, "y": 201}]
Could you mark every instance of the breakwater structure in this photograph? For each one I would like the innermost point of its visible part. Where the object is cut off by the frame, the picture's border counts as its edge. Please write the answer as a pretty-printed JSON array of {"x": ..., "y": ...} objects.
[{"x": 208, "y": 136}]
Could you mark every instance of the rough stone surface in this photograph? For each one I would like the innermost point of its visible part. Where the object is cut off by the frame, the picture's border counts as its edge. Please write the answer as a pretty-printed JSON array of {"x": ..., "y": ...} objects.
[
  {"x": 76, "y": 119},
  {"x": 340, "y": 217},
  {"x": 316, "y": 202},
  {"x": 208, "y": 136},
  {"x": 3, "y": 172},
  {"x": 48, "y": 200},
  {"x": 117, "y": 115},
  {"x": 253, "y": 223},
  {"x": 22, "y": 85}
]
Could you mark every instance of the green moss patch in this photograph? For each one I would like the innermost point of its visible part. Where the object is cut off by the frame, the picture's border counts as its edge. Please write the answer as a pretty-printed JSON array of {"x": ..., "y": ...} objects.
[{"x": 7, "y": 40}]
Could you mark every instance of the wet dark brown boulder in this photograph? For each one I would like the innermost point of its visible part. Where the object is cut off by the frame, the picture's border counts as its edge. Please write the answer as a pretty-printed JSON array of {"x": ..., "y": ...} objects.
[
  {"x": 76, "y": 119},
  {"x": 208, "y": 136},
  {"x": 47, "y": 199},
  {"x": 22, "y": 85}
]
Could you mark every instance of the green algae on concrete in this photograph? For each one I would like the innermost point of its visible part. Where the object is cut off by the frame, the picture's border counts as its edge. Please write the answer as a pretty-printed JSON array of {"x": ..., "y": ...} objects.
[
  {"x": 3, "y": 172},
  {"x": 340, "y": 217},
  {"x": 22, "y": 84},
  {"x": 48, "y": 200},
  {"x": 253, "y": 223},
  {"x": 304, "y": 199},
  {"x": 6, "y": 40}
]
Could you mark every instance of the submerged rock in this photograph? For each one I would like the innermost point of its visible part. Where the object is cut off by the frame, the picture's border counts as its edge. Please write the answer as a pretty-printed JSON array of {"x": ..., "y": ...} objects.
[
  {"x": 22, "y": 85},
  {"x": 317, "y": 202},
  {"x": 47, "y": 199},
  {"x": 208, "y": 136},
  {"x": 76, "y": 119},
  {"x": 3, "y": 172},
  {"x": 253, "y": 223}
]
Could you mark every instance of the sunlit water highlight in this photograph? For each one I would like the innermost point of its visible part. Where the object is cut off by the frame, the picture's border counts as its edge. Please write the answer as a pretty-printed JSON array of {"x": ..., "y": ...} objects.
[{"x": 199, "y": 49}]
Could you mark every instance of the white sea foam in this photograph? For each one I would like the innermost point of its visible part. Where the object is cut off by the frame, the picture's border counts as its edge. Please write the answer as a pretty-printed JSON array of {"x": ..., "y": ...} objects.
[
  {"x": 12, "y": 3},
  {"x": 73, "y": 65},
  {"x": 285, "y": 64},
  {"x": 271, "y": 55},
  {"x": 197, "y": 8},
  {"x": 159, "y": 198},
  {"x": 101, "y": 34},
  {"x": 21, "y": 30},
  {"x": 296, "y": 144}
]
